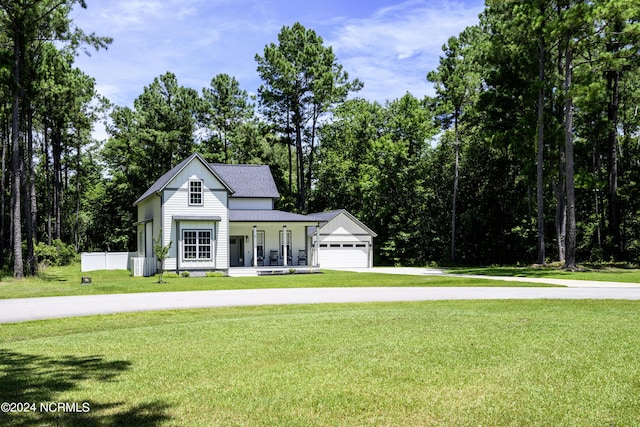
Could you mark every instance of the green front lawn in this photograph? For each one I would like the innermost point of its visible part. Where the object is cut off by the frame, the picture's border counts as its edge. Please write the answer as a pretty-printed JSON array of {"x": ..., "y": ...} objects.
[
  {"x": 463, "y": 363},
  {"x": 629, "y": 275},
  {"x": 56, "y": 281}
]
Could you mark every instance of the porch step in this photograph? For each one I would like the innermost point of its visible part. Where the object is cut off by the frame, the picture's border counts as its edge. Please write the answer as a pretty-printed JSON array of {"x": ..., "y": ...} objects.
[
  {"x": 242, "y": 272},
  {"x": 271, "y": 271}
]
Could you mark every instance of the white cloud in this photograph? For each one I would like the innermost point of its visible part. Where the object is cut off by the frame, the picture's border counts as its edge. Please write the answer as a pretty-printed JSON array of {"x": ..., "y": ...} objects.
[
  {"x": 389, "y": 45},
  {"x": 393, "y": 50}
]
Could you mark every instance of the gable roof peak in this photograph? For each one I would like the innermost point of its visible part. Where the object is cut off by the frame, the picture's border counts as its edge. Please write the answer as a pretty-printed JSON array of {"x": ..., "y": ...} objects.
[{"x": 164, "y": 180}]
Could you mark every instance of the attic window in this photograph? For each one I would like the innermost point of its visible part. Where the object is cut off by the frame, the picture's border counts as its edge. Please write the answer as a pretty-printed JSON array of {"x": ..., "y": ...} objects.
[{"x": 195, "y": 192}]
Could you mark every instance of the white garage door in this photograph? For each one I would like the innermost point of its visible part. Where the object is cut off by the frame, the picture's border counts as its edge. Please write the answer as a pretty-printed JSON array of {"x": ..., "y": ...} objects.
[{"x": 344, "y": 255}]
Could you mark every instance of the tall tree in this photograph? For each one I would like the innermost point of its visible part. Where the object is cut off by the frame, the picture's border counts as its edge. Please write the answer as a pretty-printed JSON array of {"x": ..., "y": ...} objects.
[
  {"x": 144, "y": 143},
  {"x": 226, "y": 109},
  {"x": 167, "y": 117},
  {"x": 456, "y": 83},
  {"x": 27, "y": 24},
  {"x": 374, "y": 161},
  {"x": 302, "y": 80},
  {"x": 573, "y": 30}
]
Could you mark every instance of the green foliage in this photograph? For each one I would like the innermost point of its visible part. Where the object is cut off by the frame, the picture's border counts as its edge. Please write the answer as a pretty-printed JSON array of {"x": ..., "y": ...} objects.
[
  {"x": 58, "y": 253},
  {"x": 185, "y": 274},
  {"x": 375, "y": 162},
  {"x": 422, "y": 173},
  {"x": 226, "y": 113},
  {"x": 161, "y": 252},
  {"x": 302, "y": 81},
  {"x": 214, "y": 274}
]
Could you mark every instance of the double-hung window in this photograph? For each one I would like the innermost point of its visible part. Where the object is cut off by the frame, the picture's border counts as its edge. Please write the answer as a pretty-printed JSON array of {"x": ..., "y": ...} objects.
[
  {"x": 260, "y": 243},
  {"x": 288, "y": 244},
  {"x": 195, "y": 192},
  {"x": 196, "y": 244}
]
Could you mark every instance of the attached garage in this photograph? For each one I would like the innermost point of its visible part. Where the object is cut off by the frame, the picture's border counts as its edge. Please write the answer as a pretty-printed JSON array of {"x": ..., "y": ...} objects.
[{"x": 345, "y": 242}]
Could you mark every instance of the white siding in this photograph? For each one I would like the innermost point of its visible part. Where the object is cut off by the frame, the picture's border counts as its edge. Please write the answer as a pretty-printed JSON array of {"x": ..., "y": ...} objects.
[
  {"x": 343, "y": 228},
  {"x": 194, "y": 170},
  {"x": 251, "y": 203},
  {"x": 149, "y": 209},
  {"x": 176, "y": 203}
]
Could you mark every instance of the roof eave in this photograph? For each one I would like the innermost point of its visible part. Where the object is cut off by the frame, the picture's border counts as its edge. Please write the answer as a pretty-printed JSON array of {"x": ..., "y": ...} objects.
[{"x": 177, "y": 171}]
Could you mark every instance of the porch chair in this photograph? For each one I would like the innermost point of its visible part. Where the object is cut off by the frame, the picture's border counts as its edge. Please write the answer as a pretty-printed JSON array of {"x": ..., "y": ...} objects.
[
  {"x": 273, "y": 257},
  {"x": 302, "y": 257},
  {"x": 260, "y": 258}
]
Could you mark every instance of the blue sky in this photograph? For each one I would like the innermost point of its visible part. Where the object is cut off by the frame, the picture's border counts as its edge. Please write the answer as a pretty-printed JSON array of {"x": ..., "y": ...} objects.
[{"x": 389, "y": 45}]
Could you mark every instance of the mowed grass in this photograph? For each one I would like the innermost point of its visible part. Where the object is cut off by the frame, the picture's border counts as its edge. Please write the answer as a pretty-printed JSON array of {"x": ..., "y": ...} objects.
[
  {"x": 463, "y": 363},
  {"x": 603, "y": 274},
  {"x": 56, "y": 281}
]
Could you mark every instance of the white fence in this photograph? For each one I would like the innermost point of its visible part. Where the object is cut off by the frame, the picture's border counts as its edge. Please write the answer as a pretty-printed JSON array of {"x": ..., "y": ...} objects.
[{"x": 106, "y": 261}]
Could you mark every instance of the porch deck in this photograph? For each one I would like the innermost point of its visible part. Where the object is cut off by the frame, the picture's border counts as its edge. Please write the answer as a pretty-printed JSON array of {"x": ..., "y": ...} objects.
[{"x": 272, "y": 270}]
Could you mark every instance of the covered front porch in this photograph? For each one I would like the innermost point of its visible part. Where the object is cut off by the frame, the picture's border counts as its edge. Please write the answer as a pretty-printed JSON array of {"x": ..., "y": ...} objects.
[{"x": 274, "y": 239}]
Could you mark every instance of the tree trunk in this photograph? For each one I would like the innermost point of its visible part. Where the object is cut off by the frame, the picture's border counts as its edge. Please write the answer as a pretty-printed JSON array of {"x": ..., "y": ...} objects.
[
  {"x": 540, "y": 156},
  {"x": 16, "y": 160},
  {"x": 289, "y": 154},
  {"x": 48, "y": 179},
  {"x": 57, "y": 182},
  {"x": 613, "y": 79},
  {"x": 76, "y": 229},
  {"x": 570, "y": 261},
  {"x": 300, "y": 156},
  {"x": 595, "y": 160},
  {"x": 312, "y": 147},
  {"x": 30, "y": 202},
  {"x": 560, "y": 186},
  {"x": 3, "y": 188},
  {"x": 454, "y": 199}
]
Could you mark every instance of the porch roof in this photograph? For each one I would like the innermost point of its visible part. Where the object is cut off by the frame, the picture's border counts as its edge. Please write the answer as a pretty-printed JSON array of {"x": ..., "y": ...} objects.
[{"x": 268, "y": 215}]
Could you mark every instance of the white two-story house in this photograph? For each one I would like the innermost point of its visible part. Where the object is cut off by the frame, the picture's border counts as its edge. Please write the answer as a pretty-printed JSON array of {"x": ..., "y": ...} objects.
[{"x": 220, "y": 216}]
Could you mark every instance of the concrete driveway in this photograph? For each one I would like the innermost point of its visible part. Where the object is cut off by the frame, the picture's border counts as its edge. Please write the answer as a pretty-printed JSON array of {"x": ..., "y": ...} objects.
[{"x": 18, "y": 310}]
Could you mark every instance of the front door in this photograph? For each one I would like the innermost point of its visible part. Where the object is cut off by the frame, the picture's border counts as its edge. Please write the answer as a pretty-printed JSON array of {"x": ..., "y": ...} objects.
[{"x": 236, "y": 249}]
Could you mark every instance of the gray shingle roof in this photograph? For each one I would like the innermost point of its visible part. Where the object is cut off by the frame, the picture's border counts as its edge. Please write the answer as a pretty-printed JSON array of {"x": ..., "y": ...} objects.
[
  {"x": 328, "y": 216},
  {"x": 325, "y": 217},
  {"x": 168, "y": 176},
  {"x": 264, "y": 215},
  {"x": 241, "y": 180},
  {"x": 248, "y": 180},
  {"x": 163, "y": 180}
]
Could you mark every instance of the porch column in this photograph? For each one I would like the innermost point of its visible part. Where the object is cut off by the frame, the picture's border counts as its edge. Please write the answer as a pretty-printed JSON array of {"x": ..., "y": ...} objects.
[
  {"x": 285, "y": 252},
  {"x": 255, "y": 246},
  {"x": 317, "y": 248}
]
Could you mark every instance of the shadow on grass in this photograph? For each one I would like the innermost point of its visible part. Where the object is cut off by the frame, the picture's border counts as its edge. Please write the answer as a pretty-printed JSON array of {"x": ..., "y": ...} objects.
[
  {"x": 51, "y": 277},
  {"x": 510, "y": 271},
  {"x": 34, "y": 383}
]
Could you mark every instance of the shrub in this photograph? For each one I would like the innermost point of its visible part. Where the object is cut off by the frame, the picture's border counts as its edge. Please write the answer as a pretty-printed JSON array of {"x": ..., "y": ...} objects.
[
  {"x": 185, "y": 274},
  {"x": 214, "y": 274},
  {"x": 59, "y": 253},
  {"x": 170, "y": 275}
]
